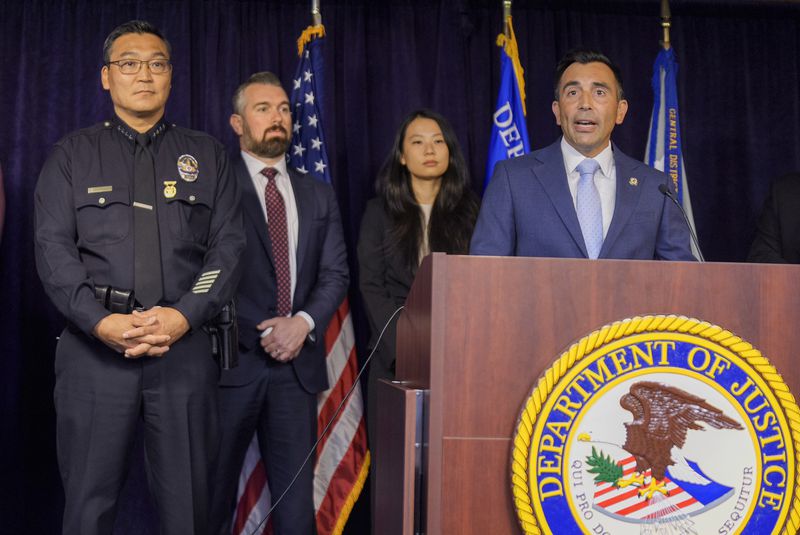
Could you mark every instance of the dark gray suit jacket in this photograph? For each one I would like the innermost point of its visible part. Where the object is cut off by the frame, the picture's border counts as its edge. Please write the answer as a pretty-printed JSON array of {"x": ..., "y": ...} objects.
[{"x": 322, "y": 276}]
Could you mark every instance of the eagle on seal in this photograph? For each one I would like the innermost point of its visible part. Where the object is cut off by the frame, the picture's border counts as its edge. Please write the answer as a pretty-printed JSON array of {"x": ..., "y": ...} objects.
[{"x": 663, "y": 415}]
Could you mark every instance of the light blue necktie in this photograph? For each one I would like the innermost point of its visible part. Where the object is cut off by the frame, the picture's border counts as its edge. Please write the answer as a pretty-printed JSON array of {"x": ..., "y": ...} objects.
[{"x": 590, "y": 211}]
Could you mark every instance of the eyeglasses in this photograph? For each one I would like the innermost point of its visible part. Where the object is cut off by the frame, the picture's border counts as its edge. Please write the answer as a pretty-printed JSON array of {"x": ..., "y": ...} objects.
[{"x": 132, "y": 66}]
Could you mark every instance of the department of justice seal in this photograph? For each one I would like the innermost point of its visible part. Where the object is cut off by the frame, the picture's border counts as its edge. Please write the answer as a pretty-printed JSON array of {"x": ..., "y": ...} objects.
[
  {"x": 658, "y": 424},
  {"x": 188, "y": 168}
]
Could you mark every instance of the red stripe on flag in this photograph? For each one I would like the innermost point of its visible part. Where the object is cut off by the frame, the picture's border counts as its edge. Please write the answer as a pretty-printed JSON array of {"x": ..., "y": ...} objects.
[
  {"x": 606, "y": 490},
  {"x": 619, "y": 497},
  {"x": 335, "y": 326},
  {"x": 641, "y": 505},
  {"x": 344, "y": 479},
  {"x": 335, "y": 397},
  {"x": 613, "y": 486},
  {"x": 249, "y": 498}
]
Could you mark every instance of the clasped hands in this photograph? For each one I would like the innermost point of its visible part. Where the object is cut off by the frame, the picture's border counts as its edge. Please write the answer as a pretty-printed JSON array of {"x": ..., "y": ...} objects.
[
  {"x": 146, "y": 333},
  {"x": 286, "y": 337}
]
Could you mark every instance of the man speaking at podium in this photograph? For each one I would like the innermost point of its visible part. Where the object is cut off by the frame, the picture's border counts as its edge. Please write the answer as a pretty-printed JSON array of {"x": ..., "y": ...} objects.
[{"x": 581, "y": 197}]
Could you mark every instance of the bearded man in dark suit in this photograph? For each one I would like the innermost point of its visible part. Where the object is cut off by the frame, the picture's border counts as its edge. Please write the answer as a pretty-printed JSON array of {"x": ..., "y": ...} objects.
[{"x": 294, "y": 277}]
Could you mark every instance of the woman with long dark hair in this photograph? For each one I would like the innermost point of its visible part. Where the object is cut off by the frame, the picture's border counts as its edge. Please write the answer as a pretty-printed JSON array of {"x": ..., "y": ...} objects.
[{"x": 424, "y": 204}]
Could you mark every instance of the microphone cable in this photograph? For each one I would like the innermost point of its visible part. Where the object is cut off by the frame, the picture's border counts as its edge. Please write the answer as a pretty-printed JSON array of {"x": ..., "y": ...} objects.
[
  {"x": 664, "y": 189},
  {"x": 339, "y": 408}
]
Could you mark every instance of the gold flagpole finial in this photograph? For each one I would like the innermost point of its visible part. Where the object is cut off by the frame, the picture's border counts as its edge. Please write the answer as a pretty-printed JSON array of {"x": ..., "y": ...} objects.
[
  {"x": 316, "y": 14},
  {"x": 506, "y": 15},
  {"x": 666, "y": 17}
]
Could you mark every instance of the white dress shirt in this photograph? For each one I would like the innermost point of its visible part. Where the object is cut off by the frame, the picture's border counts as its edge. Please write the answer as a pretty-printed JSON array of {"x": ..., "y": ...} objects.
[
  {"x": 605, "y": 179},
  {"x": 424, "y": 246},
  {"x": 284, "y": 185}
]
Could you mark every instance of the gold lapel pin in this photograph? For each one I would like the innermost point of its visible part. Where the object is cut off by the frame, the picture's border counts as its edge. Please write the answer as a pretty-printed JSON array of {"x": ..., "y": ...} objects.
[
  {"x": 633, "y": 181},
  {"x": 169, "y": 188}
]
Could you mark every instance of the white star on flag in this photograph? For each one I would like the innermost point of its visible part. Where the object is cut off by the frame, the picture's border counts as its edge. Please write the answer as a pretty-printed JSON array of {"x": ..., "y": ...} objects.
[
  {"x": 307, "y": 76},
  {"x": 296, "y": 126},
  {"x": 312, "y": 120},
  {"x": 297, "y": 83},
  {"x": 316, "y": 143},
  {"x": 299, "y": 150},
  {"x": 310, "y": 98},
  {"x": 320, "y": 166}
]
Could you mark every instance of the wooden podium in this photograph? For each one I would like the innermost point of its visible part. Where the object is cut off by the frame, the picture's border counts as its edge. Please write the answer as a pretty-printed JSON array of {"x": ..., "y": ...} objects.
[{"x": 477, "y": 332}]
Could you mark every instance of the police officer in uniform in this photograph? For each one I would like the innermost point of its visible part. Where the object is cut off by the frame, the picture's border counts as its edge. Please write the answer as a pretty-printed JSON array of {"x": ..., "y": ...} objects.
[{"x": 138, "y": 235}]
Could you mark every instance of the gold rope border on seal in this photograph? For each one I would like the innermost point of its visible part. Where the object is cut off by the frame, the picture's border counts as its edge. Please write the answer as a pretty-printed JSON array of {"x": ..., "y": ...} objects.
[{"x": 615, "y": 331}]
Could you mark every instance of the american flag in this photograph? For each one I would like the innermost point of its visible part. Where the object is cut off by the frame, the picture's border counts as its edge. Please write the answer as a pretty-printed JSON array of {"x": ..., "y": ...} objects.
[
  {"x": 681, "y": 501},
  {"x": 342, "y": 456}
]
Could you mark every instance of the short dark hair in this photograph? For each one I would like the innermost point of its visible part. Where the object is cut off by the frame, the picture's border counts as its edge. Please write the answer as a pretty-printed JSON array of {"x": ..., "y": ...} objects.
[
  {"x": 132, "y": 26},
  {"x": 263, "y": 77},
  {"x": 584, "y": 56}
]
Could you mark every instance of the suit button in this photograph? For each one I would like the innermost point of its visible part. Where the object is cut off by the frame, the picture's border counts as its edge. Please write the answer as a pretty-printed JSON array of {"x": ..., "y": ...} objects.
[
  {"x": 101, "y": 200},
  {"x": 192, "y": 198}
]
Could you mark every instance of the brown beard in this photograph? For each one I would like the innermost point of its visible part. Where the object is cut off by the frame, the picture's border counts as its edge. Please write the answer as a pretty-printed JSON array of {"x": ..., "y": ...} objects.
[{"x": 267, "y": 148}]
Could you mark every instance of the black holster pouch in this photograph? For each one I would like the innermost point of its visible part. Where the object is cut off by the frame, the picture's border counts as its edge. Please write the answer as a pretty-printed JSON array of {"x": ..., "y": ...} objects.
[
  {"x": 115, "y": 300},
  {"x": 225, "y": 337}
]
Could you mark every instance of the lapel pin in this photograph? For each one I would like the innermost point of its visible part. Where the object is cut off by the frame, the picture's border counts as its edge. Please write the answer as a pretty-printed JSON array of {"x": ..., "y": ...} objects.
[
  {"x": 169, "y": 188},
  {"x": 633, "y": 181}
]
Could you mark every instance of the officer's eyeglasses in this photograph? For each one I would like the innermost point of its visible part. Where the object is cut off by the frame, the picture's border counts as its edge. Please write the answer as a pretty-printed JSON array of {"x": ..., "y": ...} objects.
[{"x": 132, "y": 66}]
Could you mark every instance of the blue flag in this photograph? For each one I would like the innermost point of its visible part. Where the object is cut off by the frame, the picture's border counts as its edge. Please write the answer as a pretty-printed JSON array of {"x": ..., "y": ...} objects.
[
  {"x": 664, "y": 150},
  {"x": 509, "y": 137},
  {"x": 308, "y": 152}
]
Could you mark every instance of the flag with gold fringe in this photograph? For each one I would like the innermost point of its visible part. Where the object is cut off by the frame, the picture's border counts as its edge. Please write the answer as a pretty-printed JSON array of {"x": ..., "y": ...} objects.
[
  {"x": 509, "y": 137},
  {"x": 664, "y": 149}
]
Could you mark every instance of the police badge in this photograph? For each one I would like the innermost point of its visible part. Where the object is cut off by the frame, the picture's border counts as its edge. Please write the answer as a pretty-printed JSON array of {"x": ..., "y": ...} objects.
[
  {"x": 658, "y": 424},
  {"x": 188, "y": 168}
]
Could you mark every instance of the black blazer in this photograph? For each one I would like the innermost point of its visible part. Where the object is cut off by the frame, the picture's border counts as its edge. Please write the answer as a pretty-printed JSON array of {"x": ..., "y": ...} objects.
[
  {"x": 384, "y": 282},
  {"x": 322, "y": 276},
  {"x": 778, "y": 234}
]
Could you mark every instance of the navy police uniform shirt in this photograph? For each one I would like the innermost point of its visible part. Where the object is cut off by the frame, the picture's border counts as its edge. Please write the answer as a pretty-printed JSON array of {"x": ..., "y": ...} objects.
[{"x": 84, "y": 220}]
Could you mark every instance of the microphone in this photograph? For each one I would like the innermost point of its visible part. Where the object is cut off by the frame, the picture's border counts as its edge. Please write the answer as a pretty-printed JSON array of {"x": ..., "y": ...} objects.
[{"x": 666, "y": 191}]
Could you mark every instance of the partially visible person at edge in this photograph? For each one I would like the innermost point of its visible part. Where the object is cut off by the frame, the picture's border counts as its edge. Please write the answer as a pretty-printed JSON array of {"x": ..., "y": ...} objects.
[
  {"x": 424, "y": 204},
  {"x": 777, "y": 238},
  {"x": 138, "y": 236}
]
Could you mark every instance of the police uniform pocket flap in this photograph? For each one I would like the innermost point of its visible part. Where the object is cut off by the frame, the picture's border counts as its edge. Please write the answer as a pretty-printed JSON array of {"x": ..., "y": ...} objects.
[
  {"x": 103, "y": 214},
  {"x": 188, "y": 193},
  {"x": 102, "y": 196}
]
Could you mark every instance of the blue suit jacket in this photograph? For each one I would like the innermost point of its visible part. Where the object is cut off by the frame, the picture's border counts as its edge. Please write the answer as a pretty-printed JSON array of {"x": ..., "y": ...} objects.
[
  {"x": 527, "y": 210},
  {"x": 322, "y": 277}
]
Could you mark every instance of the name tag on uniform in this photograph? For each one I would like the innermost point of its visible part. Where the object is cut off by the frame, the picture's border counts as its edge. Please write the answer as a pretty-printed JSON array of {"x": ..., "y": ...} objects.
[{"x": 100, "y": 189}]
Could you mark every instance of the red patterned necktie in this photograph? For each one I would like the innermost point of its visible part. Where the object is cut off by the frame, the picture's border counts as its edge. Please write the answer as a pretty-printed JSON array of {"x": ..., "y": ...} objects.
[{"x": 279, "y": 236}]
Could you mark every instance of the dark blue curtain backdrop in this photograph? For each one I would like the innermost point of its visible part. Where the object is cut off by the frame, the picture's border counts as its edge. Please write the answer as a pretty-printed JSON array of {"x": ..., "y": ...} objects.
[{"x": 739, "y": 85}]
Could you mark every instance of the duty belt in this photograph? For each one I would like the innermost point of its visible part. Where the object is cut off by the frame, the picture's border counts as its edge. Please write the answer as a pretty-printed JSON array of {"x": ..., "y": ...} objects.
[{"x": 222, "y": 329}]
